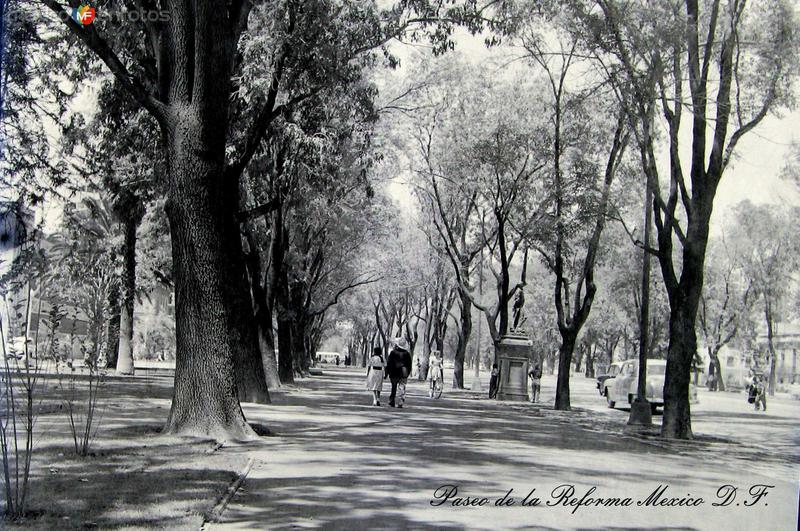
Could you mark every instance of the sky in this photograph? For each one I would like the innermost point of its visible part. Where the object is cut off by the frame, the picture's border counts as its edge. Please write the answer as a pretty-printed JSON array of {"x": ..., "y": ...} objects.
[{"x": 753, "y": 174}]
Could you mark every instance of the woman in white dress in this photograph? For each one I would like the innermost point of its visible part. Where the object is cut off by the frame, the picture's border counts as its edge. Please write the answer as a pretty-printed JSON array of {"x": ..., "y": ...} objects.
[
  {"x": 375, "y": 368},
  {"x": 435, "y": 370}
]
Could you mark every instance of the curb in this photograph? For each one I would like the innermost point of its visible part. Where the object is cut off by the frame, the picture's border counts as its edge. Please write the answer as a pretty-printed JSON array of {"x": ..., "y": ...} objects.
[{"x": 219, "y": 508}]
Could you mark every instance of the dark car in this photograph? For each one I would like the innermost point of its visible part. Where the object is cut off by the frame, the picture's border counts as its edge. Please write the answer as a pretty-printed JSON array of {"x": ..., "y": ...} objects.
[{"x": 611, "y": 372}]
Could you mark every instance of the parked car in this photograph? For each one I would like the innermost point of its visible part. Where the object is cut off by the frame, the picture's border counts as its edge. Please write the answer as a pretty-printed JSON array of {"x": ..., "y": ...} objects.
[
  {"x": 611, "y": 372},
  {"x": 623, "y": 387}
]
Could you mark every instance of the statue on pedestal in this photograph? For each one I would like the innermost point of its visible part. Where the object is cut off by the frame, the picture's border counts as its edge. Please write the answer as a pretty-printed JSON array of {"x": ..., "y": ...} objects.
[{"x": 519, "y": 302}]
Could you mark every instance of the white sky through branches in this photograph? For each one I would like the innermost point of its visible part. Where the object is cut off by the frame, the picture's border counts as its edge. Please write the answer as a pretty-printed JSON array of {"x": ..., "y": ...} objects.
[{"x": 754, "y": 172}]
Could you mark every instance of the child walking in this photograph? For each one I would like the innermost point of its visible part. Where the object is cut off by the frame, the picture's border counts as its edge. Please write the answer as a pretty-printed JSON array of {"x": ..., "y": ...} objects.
[{"x": 375, "y": 375}]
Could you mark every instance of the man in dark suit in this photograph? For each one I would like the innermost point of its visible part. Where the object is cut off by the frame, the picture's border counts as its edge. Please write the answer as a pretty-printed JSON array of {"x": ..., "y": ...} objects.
[{"x": 398, "y": 368}]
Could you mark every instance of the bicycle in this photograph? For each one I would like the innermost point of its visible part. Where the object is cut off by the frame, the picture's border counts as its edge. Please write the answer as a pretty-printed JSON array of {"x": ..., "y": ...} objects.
[{"x": 437, "y": 386}]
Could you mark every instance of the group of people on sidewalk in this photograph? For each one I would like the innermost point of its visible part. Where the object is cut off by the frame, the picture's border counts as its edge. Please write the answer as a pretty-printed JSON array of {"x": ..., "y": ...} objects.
[
  {"x": 534, "y": 377},
  {"x": 396, "y": 368}
]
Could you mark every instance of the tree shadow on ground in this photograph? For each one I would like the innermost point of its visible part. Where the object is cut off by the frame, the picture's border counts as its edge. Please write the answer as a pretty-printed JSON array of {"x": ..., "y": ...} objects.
[
  {"x": 336, "y": 461},
  {"x": 133, "y": 475}
]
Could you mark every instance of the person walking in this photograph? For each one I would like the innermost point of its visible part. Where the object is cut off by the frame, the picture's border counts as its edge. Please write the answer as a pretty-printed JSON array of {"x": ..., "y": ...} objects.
[
  {"x": 375, "y": 375},
  {"x": 758, "y": 395},
  {"x": 493, "y": 380},
  {"x": 435, "y": 371},
  {"x": 535, "y": 374},
  {"x": 398, "y": 369}
]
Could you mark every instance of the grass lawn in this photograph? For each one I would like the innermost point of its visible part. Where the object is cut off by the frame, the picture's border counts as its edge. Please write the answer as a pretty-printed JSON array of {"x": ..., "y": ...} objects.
[{"x": 133, "y": 476}]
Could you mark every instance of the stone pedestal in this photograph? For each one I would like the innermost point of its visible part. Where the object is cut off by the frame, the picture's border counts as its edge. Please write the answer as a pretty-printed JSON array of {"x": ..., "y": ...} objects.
[{"x": 513, "y": 353}]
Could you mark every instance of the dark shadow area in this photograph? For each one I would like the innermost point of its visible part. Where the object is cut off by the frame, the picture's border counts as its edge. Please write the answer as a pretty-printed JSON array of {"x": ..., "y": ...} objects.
[{"x": 161, "y": 484}]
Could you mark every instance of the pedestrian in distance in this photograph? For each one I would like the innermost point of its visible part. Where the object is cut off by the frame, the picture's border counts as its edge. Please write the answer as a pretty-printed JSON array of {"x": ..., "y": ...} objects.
[
  {"x": 398, "y": 369},
  {"x": 435, "y": 371},
  {"x": 493, "y": 379},
  {"x": 535, "y": 375},
  {"x": 375, "y": 375},
  {"x": 757, "y": 394}
]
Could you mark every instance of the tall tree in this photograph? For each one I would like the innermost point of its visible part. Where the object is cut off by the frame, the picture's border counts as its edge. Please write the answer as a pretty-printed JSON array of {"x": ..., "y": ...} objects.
[
  {"x": 768, "y": 245},
  {"x": 725, "y": 305},
  {"x": 583, "y": 166},
  {"x": 119, "y": 160},
  {"x": 477, "y": 165}
]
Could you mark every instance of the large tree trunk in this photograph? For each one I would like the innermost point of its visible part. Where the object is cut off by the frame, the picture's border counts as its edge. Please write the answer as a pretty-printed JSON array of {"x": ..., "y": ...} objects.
[
  {"x": 299, "y": 346},
  {"x": 251, "y": 380},
  {"x": 564, "y": 365},
  {"x": 266, "y": 343},
  {"x": 112, "y": 331},
  {"x": 590, "y": 356},
  {"x": 214, "y": 318},
  {"x": 285, "y": 324},
  {"x": 124, "y": 363},
  {"x": 285, "y": 345},
  {"x": 682, "y": 346},
  {"x": 366, "y": 349},
  {"x": 579, "y": 357},
  {"x": 684, "y": 300},
  {"x": 425, "y": 357},
  {"x": 282, "y": 299},
  {"x": 463, "y": 339},
  {"x": 300, "y": 329},
  {"x": 261, "y": 289}
]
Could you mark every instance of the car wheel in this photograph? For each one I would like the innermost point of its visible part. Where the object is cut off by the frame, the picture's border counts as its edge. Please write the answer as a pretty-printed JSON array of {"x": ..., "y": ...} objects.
[
  {"x": 630, "y": 398},
  {"x": 608, "y": 399}
]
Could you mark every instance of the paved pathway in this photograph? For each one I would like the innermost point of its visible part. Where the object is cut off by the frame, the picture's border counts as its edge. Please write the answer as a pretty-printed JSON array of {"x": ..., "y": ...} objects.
[{"x": 335, "y": 461}]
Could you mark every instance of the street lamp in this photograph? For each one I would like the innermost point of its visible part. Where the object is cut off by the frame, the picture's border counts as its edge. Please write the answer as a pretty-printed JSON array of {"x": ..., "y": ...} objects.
[
  {"x": 641, "y": 413},
  {"x": 476, "y": 375}
]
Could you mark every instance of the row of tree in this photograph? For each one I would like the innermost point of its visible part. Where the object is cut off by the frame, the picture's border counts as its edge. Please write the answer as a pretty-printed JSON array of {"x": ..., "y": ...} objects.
[{"x": 253, "y": 127}]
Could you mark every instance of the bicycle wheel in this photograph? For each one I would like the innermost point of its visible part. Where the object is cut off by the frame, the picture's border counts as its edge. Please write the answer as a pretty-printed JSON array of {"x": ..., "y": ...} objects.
[{"x": 437, "y": 390}]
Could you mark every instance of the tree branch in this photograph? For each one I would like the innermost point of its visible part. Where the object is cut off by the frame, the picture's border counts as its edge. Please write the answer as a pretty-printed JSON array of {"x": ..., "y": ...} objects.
[{"x": 101, "y": 48}]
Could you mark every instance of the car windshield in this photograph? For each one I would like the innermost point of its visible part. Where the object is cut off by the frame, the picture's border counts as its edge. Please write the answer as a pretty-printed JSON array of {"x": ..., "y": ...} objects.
[{"x": 656, "y": 369}]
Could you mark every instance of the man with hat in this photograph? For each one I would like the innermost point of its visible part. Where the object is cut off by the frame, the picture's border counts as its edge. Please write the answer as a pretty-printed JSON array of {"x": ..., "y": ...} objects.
[{"x": 398, "y": 368}]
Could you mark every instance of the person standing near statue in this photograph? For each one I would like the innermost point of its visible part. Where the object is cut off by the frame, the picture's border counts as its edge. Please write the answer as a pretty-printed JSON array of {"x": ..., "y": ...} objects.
[
  {"x": 493, "y": 381},
  {"x": 398, "y": 369},
  {"x": 535, "y": 375}
]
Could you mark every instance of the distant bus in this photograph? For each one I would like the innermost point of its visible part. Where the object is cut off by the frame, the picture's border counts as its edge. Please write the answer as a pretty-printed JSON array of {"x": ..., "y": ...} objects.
[{"x": 329, "y": 357}]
